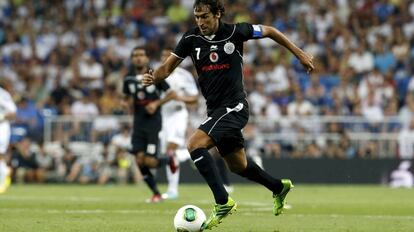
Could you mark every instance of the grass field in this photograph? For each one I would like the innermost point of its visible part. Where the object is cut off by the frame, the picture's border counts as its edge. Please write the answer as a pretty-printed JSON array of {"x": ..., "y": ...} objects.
[{"x": 64, "y": 208}]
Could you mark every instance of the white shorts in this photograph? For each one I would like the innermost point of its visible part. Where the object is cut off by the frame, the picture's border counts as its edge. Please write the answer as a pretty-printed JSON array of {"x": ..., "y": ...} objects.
[
  {"x": 174, "y": 129},
  {"x": 4, "y": 137}
]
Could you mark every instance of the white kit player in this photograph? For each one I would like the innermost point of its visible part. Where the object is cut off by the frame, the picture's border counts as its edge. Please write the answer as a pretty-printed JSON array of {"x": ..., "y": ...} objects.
[
  {"x": 175, "y": 120},
  {"x": 7, "y": 112}
]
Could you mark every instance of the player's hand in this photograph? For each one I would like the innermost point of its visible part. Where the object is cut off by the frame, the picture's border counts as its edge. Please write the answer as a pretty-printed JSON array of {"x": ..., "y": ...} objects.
[
  {"x": 152, "y": 107},
  {"x": 307, "y": 61},
  {"x": 148, "y": 78}
]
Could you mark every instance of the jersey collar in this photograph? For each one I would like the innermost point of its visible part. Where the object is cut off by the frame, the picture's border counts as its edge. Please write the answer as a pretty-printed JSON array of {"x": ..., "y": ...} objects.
[{"x": 211, "y": 37}]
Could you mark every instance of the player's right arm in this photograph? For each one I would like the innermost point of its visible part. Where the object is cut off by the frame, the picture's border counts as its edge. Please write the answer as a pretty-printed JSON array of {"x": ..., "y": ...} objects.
[
  {"x": 182, "y": 50},
  {"x": 162, "y": 72}
]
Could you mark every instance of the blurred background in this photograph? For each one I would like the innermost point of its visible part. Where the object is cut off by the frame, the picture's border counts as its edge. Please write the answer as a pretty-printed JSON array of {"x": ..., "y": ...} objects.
[{"x": 64, "y": 62}]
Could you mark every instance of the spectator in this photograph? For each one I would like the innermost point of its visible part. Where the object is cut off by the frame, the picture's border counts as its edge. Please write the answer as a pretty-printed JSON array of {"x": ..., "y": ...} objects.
[
  {"x": 361, "y": 60},
  {"x": 84, "y": 109},
  {"x": 91, "y": 72},
  {"x": 300, "y": 106},
  {"x": 46, "y": 164},
  {"x": 367, "y": 45},
  {"x": 24, "y": 164},
  {"x": 384, "y": 59},
  {"x": 27, "y": 116}
]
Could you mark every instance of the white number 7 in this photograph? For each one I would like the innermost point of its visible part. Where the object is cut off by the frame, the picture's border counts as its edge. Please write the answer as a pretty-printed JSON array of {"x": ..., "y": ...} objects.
[{"x": 198, "y": 53}]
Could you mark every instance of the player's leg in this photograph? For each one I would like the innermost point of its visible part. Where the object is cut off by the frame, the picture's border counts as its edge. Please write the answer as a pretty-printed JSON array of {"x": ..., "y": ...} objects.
[
  {"x": 4, "y": 170},
  {"x": 149, "y": 179},
  {"x": 152, "y": 160},
  {"x": 143, "y": 145},
  {"x": 223, "y": 170},
  {"x": 198, "y": 146},
  {"x": 175, "y": 128},
  {"x": 4, "y": 174},
  {"x": 172, "y": 177},
  {"x": 246, "y": 167}
]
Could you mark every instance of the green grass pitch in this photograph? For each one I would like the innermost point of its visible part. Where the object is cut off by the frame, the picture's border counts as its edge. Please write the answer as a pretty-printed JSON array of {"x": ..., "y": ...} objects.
[{"x": 64, "y": 208}]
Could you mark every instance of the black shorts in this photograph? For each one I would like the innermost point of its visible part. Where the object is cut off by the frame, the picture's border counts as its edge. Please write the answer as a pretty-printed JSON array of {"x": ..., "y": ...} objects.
[
  {"x": 224, "y": 125},
  {"x": 145, "y": 140}
]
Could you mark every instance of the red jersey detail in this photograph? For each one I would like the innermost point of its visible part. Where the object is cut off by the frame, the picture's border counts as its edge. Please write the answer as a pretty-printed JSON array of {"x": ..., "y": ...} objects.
[{"x": 213, "y": 67}]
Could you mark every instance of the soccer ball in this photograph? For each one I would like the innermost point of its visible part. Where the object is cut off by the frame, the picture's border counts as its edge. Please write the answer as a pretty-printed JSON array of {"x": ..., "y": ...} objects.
[{"x": 189, "y": 218}]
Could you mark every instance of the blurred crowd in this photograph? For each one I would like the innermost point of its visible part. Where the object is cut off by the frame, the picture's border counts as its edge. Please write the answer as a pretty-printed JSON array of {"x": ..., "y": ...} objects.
[{"x": 68, "y": 57}]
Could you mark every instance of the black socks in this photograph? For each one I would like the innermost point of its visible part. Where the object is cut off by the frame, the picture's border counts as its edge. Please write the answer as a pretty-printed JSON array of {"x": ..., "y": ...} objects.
[
  {"x": 222, "y": 169},
  {"x": 254, "y": 173},
  {"x": 205, "y": 165},
  {"x": 149, "y": 179},
  {"x": 163, "y": 161}
]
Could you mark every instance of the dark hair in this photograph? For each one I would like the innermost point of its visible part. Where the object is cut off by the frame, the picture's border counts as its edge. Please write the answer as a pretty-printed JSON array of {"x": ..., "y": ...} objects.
[
  {"x": 216, "y": 6},
  {"x": 139, "y": 48}
]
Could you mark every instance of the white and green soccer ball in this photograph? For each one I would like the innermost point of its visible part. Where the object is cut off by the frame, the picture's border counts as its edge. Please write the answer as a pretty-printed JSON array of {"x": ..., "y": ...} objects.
[{"x": 189, "y": 218}]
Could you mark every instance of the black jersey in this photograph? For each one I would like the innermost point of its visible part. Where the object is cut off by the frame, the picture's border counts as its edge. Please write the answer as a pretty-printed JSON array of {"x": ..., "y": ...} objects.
[
  {"x": 219, "y": 61},
  {"x": 143, "y": 96}
]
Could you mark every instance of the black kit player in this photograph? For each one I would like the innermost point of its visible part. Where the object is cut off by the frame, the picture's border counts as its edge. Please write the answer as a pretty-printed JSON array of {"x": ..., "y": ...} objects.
[
  {"x": 147, "y": 119},
  {"x": 216, "y": 49}
]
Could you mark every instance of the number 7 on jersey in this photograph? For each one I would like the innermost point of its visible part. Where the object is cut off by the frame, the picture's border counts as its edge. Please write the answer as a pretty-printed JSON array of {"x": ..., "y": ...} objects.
[{"x": 198, "y": 50}]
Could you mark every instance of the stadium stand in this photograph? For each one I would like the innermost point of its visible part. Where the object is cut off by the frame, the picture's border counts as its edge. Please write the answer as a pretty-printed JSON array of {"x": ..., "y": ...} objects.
[{"x": 63, "y": 62}]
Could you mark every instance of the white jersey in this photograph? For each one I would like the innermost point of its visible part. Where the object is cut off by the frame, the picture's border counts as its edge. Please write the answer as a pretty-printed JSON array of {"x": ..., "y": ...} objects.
[
  {"x": 175, "y": 113},
  {"x": 183, "y": 83},
  {"x": 7, "y": 106}
]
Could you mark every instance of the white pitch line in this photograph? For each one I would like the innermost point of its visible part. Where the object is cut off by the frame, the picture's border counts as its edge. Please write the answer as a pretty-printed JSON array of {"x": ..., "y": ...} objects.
[
  {"x": 48, "y": 198},
  {"x": 245, "y": 212},
  {"x": 104, "y": 199}
]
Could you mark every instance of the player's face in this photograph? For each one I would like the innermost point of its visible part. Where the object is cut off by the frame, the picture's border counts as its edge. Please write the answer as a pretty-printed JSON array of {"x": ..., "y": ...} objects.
[
  {"x": 206, "y": 21},
  {"x": 139, "y": 58}
]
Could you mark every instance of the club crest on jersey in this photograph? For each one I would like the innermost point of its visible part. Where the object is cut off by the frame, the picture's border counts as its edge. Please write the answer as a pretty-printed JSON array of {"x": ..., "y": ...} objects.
[
  {"x": 229, "y": 48},
  {"x": 213, "y": 48},
  {"x": 214, "y": 57}
]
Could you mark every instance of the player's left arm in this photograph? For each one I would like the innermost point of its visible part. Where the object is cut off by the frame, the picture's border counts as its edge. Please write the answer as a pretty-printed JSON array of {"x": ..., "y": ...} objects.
[
  {"x": 10, "y": 110},
  {"x": 169, "y": 95},
  {"x": 153, "y": 106},
  {"x": 7, "y": 116},
  {"x": 188, "y": 99},
  {"x": 274, "y": 34}
]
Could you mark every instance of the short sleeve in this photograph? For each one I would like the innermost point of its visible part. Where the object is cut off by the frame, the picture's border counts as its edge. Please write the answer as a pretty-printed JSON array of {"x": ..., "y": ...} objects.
[
  {"x": 183, "y": 48},
  {"x": 125, "y": 88},
  {"x": 163, "y": 86},
  {"x": 127, "y": 85},
  {"x": 247, "y": 31}
]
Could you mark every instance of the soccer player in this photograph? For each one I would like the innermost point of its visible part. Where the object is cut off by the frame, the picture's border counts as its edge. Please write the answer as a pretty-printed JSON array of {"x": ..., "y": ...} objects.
[
  {"x": 147, "y": 119},
  {"x": 7, "y": 112},
  {"x": 216, "y": 49},
  {"x": 175, "y": 120}
]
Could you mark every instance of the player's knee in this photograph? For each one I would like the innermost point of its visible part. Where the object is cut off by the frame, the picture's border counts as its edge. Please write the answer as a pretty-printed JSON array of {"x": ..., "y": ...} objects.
[
  {"x": 199, "y": 140},
  {"x": 237, "y": 167},
  {"x": 194, "y": 144},
  {"x": 140, "y": 160}
]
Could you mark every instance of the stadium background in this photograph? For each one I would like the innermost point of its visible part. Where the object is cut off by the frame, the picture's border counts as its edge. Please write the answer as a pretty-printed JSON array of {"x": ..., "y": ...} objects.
[{"x": 63, "y": 63}]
